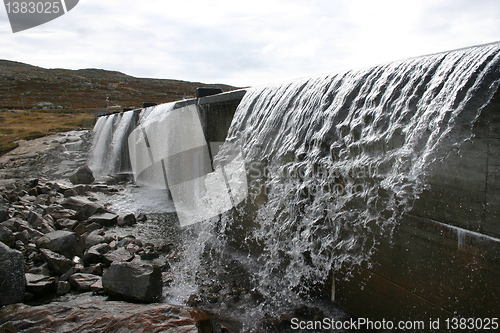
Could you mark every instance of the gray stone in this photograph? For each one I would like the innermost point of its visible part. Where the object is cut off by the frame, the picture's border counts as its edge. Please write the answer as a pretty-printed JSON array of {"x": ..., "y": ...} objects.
[
  {"x": 12, "y": 279},
  {"x": 59, "y": 212},
  {"x": 127, "y": 220},
  {"x": 4, "y": 213},
  {"x": 96, "y": 269},
  {"x": 105, "y": 219},
  {"x": 94, "y": 255},
  {"x": 59, "y": 187},
  {"x": 82, "y": 176},
  {"x": 32, "y": 234},
  {"x": 82, "y": 281},
  {"x": 63, "y": 287},
  {"x": 7, "y": 236},
  {"x": 70, "y": 193},
  {"x": 40, "y": 284},
  {"x": 94, "y": 238},
  {"x": 119, "y": 255},
  {"x": 84, "y": 208},
  {"x": 67, "y": 224},
  {"x": 39, "y": 223},
  {"x": 40, "y": 270},
  {"x": 129, "y": 239},
  {"x": 132, "y": 281},
  {"x": 71, "y": 271},
  {"x": 58, "y": 263},
  {"x": 63, "y": 242}
]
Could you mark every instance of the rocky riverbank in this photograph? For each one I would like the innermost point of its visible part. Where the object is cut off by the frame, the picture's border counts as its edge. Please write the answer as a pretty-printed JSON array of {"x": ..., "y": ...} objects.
[
  {"x": 63, "y": 265},
  {"x": 73, "y": 259}
]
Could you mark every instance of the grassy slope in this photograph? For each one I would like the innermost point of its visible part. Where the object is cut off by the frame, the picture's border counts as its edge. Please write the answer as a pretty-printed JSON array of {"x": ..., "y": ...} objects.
[{"x": 35, "y": 101}]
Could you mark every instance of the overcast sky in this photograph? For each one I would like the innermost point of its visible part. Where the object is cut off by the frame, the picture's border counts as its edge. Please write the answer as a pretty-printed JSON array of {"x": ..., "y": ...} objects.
[{"x": 248, "y": 43}]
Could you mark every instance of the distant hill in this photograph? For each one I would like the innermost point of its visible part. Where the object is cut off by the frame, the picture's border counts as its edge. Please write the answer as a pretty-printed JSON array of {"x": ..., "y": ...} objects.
[
  {"x": 25, "y": 86},
  {"x": 35, "y": 101}
]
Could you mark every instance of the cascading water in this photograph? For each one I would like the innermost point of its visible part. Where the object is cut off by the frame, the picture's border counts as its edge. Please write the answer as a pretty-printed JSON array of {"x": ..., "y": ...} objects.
[
  {"x": 109, "y": 148},
  {"x": 332, "y": 164}
]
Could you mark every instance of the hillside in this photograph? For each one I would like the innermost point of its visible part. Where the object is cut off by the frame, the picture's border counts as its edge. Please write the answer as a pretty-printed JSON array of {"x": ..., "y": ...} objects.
[
  {"x": 35, "y": 101},
  {"x": 26, "y": 86}
]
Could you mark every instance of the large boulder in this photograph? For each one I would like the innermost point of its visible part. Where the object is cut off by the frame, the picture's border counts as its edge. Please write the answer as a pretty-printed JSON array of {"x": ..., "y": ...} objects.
[
  {"x": 133, "y": 281},
  {"x": 82, "y": 176},
  {"x": 12, "y": 279},
  {"x": 67, "y": 243}
]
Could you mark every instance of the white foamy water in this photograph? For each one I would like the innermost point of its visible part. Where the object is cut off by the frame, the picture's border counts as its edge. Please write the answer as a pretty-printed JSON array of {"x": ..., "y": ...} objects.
[{"x": 332, "y": 164}]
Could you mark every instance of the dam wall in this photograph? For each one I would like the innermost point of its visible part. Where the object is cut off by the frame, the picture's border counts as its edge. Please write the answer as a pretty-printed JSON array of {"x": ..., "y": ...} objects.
[
  {"x": 377, "y": 188},
  {"x": 442, "y": 259}
]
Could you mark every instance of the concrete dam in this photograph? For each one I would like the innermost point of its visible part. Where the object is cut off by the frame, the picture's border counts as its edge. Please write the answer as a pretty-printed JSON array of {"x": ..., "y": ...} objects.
[{"x": 378, "y": 188}]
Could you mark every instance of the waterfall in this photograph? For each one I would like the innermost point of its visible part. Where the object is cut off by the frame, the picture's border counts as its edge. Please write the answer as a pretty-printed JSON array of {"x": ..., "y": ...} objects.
[
  {"x": 333, "y": 162},
  {"x": 110, "y": 154}
]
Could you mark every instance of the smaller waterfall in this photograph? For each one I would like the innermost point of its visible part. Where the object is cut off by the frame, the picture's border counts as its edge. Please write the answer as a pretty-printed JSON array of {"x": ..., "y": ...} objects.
[{"x": 110, "y": 147}]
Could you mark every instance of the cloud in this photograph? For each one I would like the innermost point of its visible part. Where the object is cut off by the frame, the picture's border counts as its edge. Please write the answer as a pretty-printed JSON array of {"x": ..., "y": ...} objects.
[{"x": 249, "y": 43}]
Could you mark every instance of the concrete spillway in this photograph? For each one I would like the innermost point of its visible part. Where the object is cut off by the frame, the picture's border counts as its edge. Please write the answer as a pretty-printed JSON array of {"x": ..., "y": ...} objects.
[{"x": 377, "y": 187}]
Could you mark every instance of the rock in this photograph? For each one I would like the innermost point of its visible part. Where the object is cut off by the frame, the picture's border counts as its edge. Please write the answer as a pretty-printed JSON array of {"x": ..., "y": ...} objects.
[
  {"x": 142, "y": 217},
  {"x": 119, "y": 255},
  {"x": 105, "y": 219},
  {"x": 83, "y": 282},
  {"x": 67, "y": 224},
  {"x": 81, "y": 189},
  {"x": 8, "y": 327},
  {"x": 94, "y": 238},
  {"x": 40, "y": 270},
  {"x": 58, "y": 263},
  {"x": 63, "y": 242},
  {"x": 84, "y": 208},
  {"x": 59, "y": 188},
  {"x": 30, "y": 233},
  {"x": 40, "y": 285},
  {"x": 12, "y": 279},
  {"x": 94, "y": 255},
  {"x": 39, "y": 223},
  {"x": 7, "y": 236},
  {"x": 82, "y": 176},
  {"x": 127, "y": 220},
  {"x": 71, "y": 271},
  {"x": 70, "y": 193},
  {"x": 108, "y": 180},
  {"x": 42, "y": 200},
  {"x": 132, "y": 281},
  {"x": 129, "y": 239},
  {"x": 4, "y": 213},
  {"x": 58, "y": 212},
  {"x": 96, "y": 269},
  {"x": 63, "y": 287},
  {"x": 82, "y": 314}
]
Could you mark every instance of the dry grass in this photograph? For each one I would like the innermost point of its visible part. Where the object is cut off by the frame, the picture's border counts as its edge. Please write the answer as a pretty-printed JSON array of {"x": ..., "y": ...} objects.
[{"x": 29, "y": 124}]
